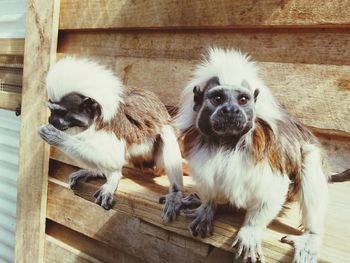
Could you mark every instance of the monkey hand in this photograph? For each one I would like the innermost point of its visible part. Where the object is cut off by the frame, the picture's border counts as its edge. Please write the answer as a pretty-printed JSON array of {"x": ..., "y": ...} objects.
[
  {"x": 172, "y": 205},
  {"x": 51, "y": 135},
  {"x": 248, "y": 244},
  {"x": 203, "y": 220}
]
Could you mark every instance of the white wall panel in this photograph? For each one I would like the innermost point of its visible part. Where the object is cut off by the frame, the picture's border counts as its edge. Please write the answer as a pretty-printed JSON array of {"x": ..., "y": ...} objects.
[{"x": 9, "y": 147}]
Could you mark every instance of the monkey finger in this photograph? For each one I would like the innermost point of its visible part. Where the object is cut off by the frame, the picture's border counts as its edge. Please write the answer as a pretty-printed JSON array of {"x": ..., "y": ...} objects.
[
  {"x": 239, "y": 251},
  {"x": 190, "y": 213},
  {"x": 162, "y": 200}
]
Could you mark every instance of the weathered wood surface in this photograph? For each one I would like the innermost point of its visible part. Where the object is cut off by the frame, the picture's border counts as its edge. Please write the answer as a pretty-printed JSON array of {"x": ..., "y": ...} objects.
[
  {"x": 138, "y": 194},
  {"x": 11, "y": 46},
  {"x": 312, "y": 46},
  {"x": 87, "y": 245},
  {"x": 317, "y": 95},
  {"x": 40, "y": 51},
  {"x": 9, "y": 100},
  {"x": 89, "y": 14},
  {"x": 11, "y": 76},
  {"x": 57, "y": 251}
]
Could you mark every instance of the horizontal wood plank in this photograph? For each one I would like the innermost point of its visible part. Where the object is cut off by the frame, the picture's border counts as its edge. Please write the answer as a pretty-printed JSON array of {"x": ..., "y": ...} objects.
[
  {"x": 312, "y": 46},
  {"x": 11, "y": 76},
  {"x": 137, "y": 197},
  {"x": 87, "y": 14},
  {"x": 317, "y": 95},
  {"x": 87, "y": 245},
  {"x": 11, "y": 46},
  {"x": 127, "y": 232},
  {"x": 9, "y": 61},
  {"x": 10, "y": 100},
  {"x": 57, "y": 251}
]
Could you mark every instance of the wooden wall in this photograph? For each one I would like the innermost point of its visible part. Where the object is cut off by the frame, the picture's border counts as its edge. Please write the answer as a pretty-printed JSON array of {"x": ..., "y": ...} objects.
[
  {"x": 303, "y": 52},
  {"x": 11, "y": 70}
]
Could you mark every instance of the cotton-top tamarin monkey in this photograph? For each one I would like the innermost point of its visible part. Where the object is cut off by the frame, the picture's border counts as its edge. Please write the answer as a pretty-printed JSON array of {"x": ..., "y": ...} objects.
[
  {"x": 105, "y": 126},
  {"x": 242, "y": 147}
]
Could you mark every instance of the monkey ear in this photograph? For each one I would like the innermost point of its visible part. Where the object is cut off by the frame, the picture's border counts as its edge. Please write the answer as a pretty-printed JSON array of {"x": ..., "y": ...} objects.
[
  {"x": 256, "y": 93},
  {"x": 90, "y": 105},
  {"x": 197, "y": 98}
]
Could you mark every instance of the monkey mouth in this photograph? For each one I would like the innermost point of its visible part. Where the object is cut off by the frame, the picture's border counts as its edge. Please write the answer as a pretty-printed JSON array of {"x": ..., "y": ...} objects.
[{"x": 228, "y": 126}]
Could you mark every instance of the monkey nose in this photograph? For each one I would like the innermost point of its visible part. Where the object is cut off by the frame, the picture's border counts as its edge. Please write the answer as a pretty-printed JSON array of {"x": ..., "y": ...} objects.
[{"x": 229, "y": 110}]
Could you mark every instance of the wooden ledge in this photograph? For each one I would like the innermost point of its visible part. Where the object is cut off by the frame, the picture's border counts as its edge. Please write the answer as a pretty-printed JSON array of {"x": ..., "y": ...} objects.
[{"x": 137, "y": 212}]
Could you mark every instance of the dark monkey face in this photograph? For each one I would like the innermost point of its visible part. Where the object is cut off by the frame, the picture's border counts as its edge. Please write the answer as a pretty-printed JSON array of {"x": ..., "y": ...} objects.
[
  {"x": 224, "y": 110},
  {"x": 73, "y": 110}
]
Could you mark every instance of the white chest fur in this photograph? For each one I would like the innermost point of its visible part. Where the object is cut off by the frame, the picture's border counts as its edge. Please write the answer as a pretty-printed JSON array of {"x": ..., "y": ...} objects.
[{"x": 230, "y": 175}]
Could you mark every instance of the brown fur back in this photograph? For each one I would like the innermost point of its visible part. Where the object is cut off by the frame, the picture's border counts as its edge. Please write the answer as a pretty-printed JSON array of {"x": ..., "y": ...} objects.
[{"x": 141, "y": 115}]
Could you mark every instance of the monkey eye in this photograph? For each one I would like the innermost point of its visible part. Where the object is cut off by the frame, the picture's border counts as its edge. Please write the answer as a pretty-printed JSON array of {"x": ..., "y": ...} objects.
[
  {"x": 242, "y": 100},
  {"x": 217, "y": 100}
]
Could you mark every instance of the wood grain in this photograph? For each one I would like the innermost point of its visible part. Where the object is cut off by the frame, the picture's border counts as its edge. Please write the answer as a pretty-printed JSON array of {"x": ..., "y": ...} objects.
[
  {"x": 311, "y": 93},
  {"x": 127, "y": 232},
  {"x": 312, "y": 46},
  {"x": 9, "y": 100},
  {"x": 89, "y": 14},
  {"x": 40, "y": 51},
  {"x": 59, "y": 252},
  {"x": 137, "y": 200},
  {"x": 87, "y": 245},
  {"x": 11, "y": 46}
]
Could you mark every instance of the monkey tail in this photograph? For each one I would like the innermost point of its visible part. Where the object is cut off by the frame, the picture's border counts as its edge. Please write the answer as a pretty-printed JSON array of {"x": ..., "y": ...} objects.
[
  {"x": 340, "y": 177},
  {"x": 169, "y": 157}
]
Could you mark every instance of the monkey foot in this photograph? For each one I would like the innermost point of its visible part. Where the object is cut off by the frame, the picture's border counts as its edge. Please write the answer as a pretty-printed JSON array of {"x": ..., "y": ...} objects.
[
  {"x": 306, "y": 247},
  {"x": 191, "y": 201},
  {"x": 172, "y": 205},
  {"x": 104, "y": 198},
  {"x": 78, "y": 175},
  {"x": 203, "y": 220},
  {"x": 248, "y": 245}
]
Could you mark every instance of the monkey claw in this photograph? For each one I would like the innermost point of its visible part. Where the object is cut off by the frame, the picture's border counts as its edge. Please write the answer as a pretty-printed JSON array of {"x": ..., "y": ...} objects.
[
  {"x": 203, "y": 220},
  {"x": 172, "y": 206},
  {"x": 104, "y": 198}
]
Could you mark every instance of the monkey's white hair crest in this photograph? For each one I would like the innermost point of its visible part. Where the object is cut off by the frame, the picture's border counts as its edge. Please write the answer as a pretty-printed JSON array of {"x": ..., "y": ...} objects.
[
  {"x": 87, "y": 78},
  {"x": 232, "y": 68}
]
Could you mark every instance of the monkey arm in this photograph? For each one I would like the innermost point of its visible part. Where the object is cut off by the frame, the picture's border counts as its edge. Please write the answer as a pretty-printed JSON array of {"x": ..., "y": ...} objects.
[
  {"x": 249, "y": 237},
  {"x": 95, "y": 153}
]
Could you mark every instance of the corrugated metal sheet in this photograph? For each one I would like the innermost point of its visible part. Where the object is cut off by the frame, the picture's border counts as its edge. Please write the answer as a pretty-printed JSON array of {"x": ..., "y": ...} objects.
[
  {"x": 12, "y": 18},
  {"x": 9, "y": 147}
]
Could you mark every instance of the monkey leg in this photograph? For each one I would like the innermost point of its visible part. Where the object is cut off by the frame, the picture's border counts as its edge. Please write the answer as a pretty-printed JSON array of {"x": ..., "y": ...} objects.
[
  {"x": 81, "y": 174},
  {"x": 169, "y": 158},
  {"x": 249, "y": 237},
  {"x": 105, "y": 195},
  {"x": 203, "y": 219},
  {"x": 306, "y": 246},
  {"x": 314, "y": 200}
]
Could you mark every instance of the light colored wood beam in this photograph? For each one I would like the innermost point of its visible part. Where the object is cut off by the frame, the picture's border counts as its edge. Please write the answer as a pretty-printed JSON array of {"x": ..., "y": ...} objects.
[{"x": 39, "y": 54}]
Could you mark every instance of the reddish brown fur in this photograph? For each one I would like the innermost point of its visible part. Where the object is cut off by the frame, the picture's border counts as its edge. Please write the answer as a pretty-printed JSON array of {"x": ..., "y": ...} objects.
[{"x": 141, "y": 115}]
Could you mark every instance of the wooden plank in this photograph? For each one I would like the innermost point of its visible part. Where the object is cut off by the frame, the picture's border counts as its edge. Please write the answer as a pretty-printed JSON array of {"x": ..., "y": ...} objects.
[
  {"x": 40, "y": 51},
  {"x": 312, "y": 46},
  {"x": 87, "y": 245},
  {"x": 120, "y": 230},
  {"x": 12, "y": 46},
  {"x": 59, "y": 252},
  {"x": 202, "y": 13},
  {"x": 10, "y": 61},
  {"x": 9, "y": 100},
  {"x": 311, "y": 93},
  {"x": 138, "y": 198},
  {"x": 11, "y": 76}
]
